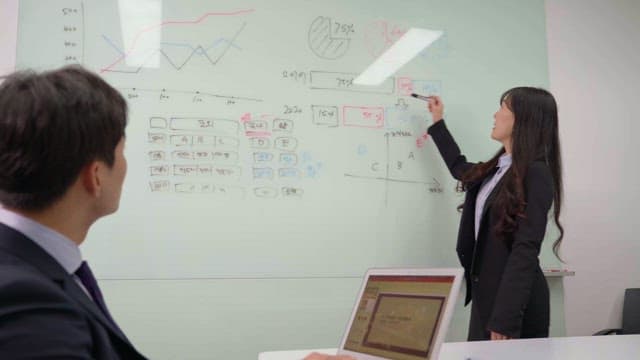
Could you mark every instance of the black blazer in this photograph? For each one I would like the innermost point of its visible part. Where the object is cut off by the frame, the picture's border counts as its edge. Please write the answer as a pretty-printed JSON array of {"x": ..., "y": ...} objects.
[
  {"x": 509, "y": 291},
  {"x": 44, "y": 314}
]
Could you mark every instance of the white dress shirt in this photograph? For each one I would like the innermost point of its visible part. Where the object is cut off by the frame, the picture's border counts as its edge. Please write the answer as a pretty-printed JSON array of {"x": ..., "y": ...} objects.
[{"x": 504, "y": 162}]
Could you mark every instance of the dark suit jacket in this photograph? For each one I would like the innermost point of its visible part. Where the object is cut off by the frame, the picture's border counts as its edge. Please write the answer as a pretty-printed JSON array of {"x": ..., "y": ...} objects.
[
  {"x": 509, "y": 291},
  {"x": 44, "y": 314}
]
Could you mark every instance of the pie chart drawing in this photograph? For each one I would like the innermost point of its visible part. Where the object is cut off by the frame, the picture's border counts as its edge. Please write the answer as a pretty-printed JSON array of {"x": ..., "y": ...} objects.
[{"x": 323, "y": 43}]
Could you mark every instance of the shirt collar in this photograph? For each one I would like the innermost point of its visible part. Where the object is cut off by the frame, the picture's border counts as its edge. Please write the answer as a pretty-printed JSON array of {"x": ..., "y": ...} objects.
[
  {"x": 504, "y": 160},
  {"x": 58, "y": 246}
]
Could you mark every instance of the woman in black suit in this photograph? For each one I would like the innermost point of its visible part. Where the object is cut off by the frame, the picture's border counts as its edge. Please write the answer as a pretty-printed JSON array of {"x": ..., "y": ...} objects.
[{"x": 504, "y": 214}]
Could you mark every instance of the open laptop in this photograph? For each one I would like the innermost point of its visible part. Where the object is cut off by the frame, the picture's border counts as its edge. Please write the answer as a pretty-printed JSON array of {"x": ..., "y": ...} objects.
[{"x": 402, "y": 314}]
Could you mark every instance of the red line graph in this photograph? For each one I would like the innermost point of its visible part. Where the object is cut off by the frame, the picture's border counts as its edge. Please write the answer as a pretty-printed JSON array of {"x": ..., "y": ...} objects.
[{"x": 174, "y": 22}]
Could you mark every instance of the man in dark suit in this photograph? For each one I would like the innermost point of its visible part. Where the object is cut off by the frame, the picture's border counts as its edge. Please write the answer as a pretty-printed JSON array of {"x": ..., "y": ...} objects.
[{"x": 61, "y": 168}]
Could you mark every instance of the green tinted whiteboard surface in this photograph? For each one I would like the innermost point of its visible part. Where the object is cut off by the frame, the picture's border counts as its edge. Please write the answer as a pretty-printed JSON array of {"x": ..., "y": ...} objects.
[
  {"x": 253, "y": 156},
  {"x": 251, "y": 153}
]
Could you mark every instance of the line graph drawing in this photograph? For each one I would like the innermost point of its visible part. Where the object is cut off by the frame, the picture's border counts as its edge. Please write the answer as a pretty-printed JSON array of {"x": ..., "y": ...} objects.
[
  {"x": 176, "y": 64},
  {"x": 199, "y": 50},
  {"x": 165, "y": 43},
  {"x": 196, "y": 93},
  {"x": 72, "y": 22},
  {"x": 83, "y": 31}
]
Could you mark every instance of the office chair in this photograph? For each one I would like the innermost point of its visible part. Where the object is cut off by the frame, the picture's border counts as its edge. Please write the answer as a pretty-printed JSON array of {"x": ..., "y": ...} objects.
[{"x": 630, "y": 315}]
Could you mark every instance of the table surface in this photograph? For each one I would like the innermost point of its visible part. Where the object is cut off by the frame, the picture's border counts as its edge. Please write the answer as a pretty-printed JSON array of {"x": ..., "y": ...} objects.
[{"x": 561, "y": 348}]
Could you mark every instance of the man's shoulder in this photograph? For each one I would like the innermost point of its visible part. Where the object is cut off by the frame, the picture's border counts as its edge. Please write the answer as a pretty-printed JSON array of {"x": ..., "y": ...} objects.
[
  {"x": 29, "y": 294},
  {"x": 21, "y": 278},
  {"x": 18, "y": 276},
  {"x": 38, "y": 316},
  {"x": 13, "y": 265}
]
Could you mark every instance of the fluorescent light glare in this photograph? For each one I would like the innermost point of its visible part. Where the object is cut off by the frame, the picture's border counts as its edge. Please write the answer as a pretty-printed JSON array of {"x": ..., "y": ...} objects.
[
  {"x": 140, "y": 23},
  {"x": 400, "y": 53}
]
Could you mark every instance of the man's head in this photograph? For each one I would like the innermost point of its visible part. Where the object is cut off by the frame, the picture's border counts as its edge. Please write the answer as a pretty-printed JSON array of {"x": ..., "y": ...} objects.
[{"x": 58, "y": 129}]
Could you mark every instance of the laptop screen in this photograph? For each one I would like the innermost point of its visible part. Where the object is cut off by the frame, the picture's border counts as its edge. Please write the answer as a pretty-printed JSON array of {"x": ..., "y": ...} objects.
[{"x": 398, "y": 316}]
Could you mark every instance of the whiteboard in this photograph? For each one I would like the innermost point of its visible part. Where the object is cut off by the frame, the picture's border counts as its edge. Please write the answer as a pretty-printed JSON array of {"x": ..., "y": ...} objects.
[
  {"x": 8, "y": 33},
  {"x": 251, "y": 152}
]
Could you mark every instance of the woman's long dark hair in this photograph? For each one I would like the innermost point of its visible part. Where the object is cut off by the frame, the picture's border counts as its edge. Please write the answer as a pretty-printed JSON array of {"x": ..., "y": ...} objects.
[{"x": 535, "y": 138}]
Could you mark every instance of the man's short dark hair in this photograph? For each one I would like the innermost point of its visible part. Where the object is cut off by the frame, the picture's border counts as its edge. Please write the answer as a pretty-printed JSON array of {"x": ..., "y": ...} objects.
[{"x": 52, "y": 124}]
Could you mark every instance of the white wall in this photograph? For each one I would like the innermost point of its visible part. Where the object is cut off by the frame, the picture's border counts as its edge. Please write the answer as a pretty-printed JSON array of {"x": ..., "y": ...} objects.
[{"x": 594, "y": 61}]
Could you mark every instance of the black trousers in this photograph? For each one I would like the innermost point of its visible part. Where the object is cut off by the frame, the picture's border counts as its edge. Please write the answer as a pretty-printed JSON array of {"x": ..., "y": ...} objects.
[{"x": 478, "y": 328}]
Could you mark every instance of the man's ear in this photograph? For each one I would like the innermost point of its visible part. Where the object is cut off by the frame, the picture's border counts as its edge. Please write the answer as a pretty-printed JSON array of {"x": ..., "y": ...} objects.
[{"x": 91, "y": 179}]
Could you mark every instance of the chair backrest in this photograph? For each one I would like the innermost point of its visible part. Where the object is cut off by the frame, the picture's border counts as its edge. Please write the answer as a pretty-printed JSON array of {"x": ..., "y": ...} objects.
[{"x": 631, "y": 312}]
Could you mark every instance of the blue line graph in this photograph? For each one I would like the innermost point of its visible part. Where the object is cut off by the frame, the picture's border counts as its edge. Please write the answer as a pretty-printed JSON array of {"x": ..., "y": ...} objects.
[
  {"x": 114, "y": 46},
  {"x": 195, "y": 50},
  {"x": 212, "y": 46},
  {"x": 189, "y": 46}
]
